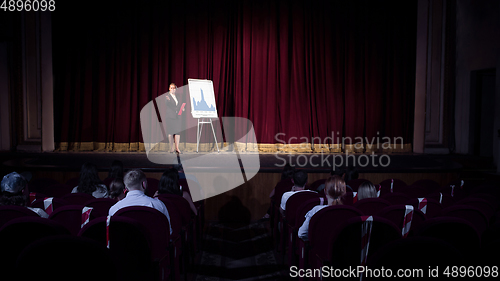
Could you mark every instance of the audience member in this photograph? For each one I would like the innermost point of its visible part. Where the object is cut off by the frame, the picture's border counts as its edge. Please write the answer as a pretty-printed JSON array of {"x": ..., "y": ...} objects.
[
  {"x": 288, "y": 172},
  {"x": 180, "y": 169},
  {"x": 116, "y": 170},
  {"x": 351, "y": 173},
  {"x": 13, "y": 189},
  {"x": 367, "y": 190},
  {"x": 192, "y": 185},
  {"x": 299, "y": 184},
  {"x": 169, "y": 184},
  {"x": 334, "y": 190},
  {"x": 286, "y": 175},
  {"x": 347, "y": 174},
  {"x": 135, "y": 182},
  {"x": 90, "y": 183},
  {"x": 286, "y": 180},
  {"x": 117, "y": 189}
]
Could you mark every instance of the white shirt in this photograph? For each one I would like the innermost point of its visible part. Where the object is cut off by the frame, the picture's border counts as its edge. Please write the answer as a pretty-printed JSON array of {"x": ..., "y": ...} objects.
[
  {"x": 138, "y": 198},
  {"x": 304, "y": 229},
  {"x": 101, "y": 191},
  {"x": 287, "y": 195},
  {"x": 175, "y": 99}
]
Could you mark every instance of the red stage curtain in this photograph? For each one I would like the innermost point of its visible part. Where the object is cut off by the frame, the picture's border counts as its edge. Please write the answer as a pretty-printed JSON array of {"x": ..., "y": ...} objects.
[{"x": 320, "y": 69}]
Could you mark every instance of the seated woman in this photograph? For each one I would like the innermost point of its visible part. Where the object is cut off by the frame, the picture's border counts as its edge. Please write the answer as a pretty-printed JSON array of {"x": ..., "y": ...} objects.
[
  {"x": 90, "y": 182},
  {"x": 169, "y": 184},
  {"x": 12, "y": 193},
  {"x": 334, "y": 190},
  {"x": 367, "y": 190},
  {"x": 117, "y": 190}
]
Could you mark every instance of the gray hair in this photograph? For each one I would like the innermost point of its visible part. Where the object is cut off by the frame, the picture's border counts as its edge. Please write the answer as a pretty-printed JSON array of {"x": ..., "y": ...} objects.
[
  {"x": 367, "y": 190},
  {"x": 133, "y": 179}
]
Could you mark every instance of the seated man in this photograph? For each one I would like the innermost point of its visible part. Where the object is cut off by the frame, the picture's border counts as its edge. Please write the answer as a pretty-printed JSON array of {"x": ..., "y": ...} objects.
[
  {"x": 299, "y": 183},
  {"x": 135, "y": 182}
]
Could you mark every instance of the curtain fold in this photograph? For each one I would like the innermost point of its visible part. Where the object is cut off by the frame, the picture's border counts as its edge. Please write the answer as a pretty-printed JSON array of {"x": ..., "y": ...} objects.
[{"x": 302, "y": 72}]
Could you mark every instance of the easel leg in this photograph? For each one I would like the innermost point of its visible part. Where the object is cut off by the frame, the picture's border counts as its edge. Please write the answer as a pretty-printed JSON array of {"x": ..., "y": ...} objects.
[
  {"x": 198, "y": 135},
  {"x": 215, "y": 138}
]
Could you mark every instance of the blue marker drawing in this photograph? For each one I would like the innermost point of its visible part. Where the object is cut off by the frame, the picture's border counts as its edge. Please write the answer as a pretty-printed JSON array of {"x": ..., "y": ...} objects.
[{"x": 202, "y": 104}]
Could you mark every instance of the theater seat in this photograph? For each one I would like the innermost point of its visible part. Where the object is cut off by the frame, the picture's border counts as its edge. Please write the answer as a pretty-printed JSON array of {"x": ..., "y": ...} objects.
[
  {"x": 180, "y": 219},
  {"x": 354, "y": 184},
  {"x": 445, "y": 199},
  {"x": 398, "y": 185},
  {"x": 293, "y": 241},
  {"x": 8, "y": 213},
  {"x": 152, "y": 187},
  {"x": 95, "y": 230},
  {"x": 469, "y": 213},
  {"x": 77, "y": 198},
  {"x": 57, "y": 190},
  {"x": 396, "y": 214},
  {"x": 131, "y": 246},
  {"x": 458, "y": 232},
  {"x": 344, "y": 249},
  {"x": 324, "y": 225},
  {"x": 415, "y": 252},
  {"x": 70, "y": 216},
  {"x": 371, "y": 206},
  {"x": 101, "y": 206},
  {"x": 56, "y": 203},
  {"x": 62, "y": 258},
  {"x": 433, "y": 207},
  {"x": 428, "y": 184},
  {"x": 16, "y": 234},
  {"x": 396, "y": 198},
  {"x": 38, "y": 185},
  {"x": 291, "y": 207},
  {"x": 158, "y": 227},
  {"x": 483, "y": 205},
  {"x": 281, "y": 187},
  {"x": 123, "y": 230}
]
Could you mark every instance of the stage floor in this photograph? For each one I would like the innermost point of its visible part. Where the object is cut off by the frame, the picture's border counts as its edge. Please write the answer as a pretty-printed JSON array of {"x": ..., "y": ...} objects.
[{"x": 267, "y": 163}]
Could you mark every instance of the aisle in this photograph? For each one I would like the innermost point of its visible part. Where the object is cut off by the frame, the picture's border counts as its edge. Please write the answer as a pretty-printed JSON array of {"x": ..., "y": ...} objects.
[{"x": 233, "y": 252}]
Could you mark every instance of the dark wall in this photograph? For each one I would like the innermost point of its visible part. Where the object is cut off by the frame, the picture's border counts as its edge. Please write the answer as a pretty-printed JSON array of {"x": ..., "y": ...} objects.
[{"x": 478, "y": 48}]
